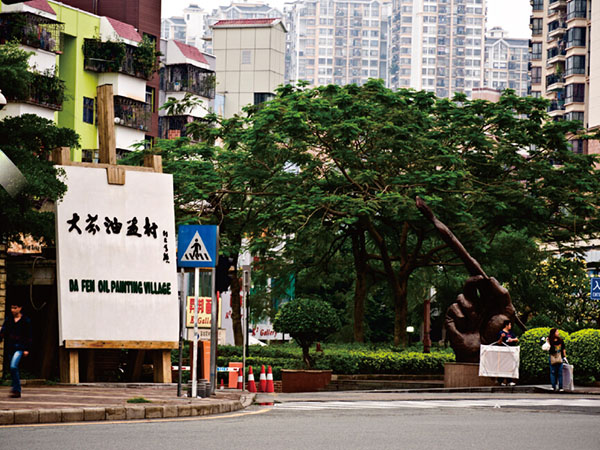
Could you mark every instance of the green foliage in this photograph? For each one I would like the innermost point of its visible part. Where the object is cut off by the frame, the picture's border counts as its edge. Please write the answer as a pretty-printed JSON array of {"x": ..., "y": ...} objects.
[
  {"x": 27, "y": 140},
  {"x": 342, "y": 360},
  {"x": 106, "y": 56},
  {"x": 145, "y": 61},
  {"x": 15, "y": 76},
  {"x": 307, "y": 321},
  {"x": 138, "y": 400},
  {"x": 534, "y": 365},
  {"x": 583, "y": 351}
]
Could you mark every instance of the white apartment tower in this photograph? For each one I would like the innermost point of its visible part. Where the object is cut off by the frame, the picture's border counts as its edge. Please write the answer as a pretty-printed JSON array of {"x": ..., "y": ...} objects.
[
  {"x": 337, "y": 41},
  {"x": 506, "y": 62},
  {"x": 438, "y": 45}
]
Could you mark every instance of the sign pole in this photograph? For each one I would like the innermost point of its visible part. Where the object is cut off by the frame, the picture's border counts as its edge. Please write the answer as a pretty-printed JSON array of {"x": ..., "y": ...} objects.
[
  {"x": 213, "y": 333},
  {"x": 182, "y": 295},
  {"x": 196, "y": 301}
]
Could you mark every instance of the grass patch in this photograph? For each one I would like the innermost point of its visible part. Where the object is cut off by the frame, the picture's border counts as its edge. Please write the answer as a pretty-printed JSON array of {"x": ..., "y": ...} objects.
[{"x": 138, "y": 400}]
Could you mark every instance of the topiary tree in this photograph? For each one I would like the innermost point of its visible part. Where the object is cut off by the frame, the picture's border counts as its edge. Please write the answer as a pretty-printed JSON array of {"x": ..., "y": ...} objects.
[
  {"x": 534, "y": 360},
  {"x": 583, "y": 351},
  {"x": 307, "y": 321}
]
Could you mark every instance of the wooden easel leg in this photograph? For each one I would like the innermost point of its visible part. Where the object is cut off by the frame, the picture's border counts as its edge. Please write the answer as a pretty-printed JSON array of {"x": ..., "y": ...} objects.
[
  {"x": 162, "y": 366},
  {"x": 135, "y": 361},
  {"x": 69, "y": 366}
]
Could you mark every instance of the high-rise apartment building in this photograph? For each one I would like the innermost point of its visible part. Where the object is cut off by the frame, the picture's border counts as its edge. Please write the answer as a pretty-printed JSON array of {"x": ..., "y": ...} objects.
[
  {"x": 438, "y": 45},
  {"x": 337, "y": 41},
  {"x": 506, "y": 62},
  {"x": 191, "y": 28},
  {"x": 565, "y": 62}
]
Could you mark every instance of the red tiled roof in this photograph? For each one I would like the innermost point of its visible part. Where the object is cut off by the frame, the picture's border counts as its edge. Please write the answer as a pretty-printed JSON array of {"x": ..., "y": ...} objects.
[
  {"x": 245, "y": 22},
  {"x": 125, "y": 30},
  {"x": 191, "y": 52},
  {"x": 42, "y": 5}
]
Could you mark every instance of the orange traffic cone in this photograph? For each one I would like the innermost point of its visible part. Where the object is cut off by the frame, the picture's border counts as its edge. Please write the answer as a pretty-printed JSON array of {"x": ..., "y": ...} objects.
[
  {"x": 251, "y": 383},
  {"x": 262, "y": 383},
  {"x": 240, "y": 384},
  {"x": 270, "y": 386}
]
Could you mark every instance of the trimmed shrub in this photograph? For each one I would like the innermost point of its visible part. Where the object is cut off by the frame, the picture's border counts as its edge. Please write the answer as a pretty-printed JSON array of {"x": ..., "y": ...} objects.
[
  {"x": 583, "y": 351},
  {"x": 534, "y": 367}
]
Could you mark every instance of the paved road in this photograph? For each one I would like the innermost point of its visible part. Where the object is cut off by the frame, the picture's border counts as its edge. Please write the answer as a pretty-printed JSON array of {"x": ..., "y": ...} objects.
[{"x": 527, "y": 423}]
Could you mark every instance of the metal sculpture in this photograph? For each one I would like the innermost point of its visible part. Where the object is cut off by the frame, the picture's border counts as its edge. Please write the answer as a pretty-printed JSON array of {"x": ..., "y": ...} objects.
[{"x": 478, "y": 313}]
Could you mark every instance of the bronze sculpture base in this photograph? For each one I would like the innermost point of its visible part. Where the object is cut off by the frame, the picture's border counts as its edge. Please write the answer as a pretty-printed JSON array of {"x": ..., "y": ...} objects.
[{"x": 465, "y": 375}]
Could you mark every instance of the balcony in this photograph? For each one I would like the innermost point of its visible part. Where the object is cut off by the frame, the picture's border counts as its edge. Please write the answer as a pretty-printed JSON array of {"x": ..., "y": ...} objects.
[
  {"x": 45, "y": 90},
  {"x": 556, "y": 107},
  {"x": 555, "y": 82},
  {"x": 556, "y": 28},
  {"x": 556, "y": 54},
  {"x": 118, "y": 57},
  {"x": 32, "y": 30},
  {"x": 188, "y": 78},
  {"x": 173, "y": 127},
  {"x": 557, "y": 5},
  {"x": 132, "y": 113}
]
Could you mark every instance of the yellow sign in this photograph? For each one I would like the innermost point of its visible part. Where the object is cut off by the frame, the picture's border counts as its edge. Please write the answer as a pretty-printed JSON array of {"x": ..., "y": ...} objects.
[{"x": 204, "y": 313}]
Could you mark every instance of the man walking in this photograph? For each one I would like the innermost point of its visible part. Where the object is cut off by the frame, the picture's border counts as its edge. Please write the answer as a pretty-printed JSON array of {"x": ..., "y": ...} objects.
[{"x": 17, "y": 332}]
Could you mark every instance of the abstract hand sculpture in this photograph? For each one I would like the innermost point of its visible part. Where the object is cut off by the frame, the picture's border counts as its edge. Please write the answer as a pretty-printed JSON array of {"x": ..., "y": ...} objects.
[{"x": 477, "y": 315}]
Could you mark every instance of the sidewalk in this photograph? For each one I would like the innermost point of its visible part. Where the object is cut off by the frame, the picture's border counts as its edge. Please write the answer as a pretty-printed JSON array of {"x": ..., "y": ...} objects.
[{"x": 104, "y": 401}]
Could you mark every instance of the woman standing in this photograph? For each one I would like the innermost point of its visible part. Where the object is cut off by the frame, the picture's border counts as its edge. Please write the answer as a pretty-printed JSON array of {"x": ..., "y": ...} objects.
[{"x": 557, "y": 353}]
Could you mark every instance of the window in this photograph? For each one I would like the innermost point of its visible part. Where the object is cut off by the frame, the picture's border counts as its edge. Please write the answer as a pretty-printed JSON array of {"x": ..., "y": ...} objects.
[
  {"x": 246, "y": 57},
  {"x": 575, "y": 93},
  {"x": 88, "y": 110},
  {"x": 150, "y": 97},
  {"x": 575, "y": 115},
  {"x": 536, "y": 51},
  {"x": 576, "y": 8},
  {"x": 575, "y": 65},
  {"x": 261, "y": 97},
  {"x": 577, "y": 146},
  {"x": 536, "y": 75},
  {"x": 536, "y": 26},
  {"x": 576, "y": 37}
]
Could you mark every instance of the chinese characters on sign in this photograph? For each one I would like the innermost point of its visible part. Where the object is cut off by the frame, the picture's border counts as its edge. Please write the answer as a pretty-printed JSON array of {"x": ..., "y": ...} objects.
[{"x": 204, "y": 312}]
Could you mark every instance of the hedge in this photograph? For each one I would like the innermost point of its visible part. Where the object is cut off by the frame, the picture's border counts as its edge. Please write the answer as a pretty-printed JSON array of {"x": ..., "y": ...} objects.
[
  {"x": 342, "y": 361},
  {"x": 583, "y": 352}
]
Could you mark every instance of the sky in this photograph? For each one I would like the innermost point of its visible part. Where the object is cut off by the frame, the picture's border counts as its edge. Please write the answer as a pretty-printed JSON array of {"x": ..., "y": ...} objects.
[{"x": 512, "y": 15}]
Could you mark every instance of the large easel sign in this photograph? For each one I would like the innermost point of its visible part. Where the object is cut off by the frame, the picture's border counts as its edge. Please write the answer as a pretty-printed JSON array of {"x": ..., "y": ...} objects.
[
  {"x": 204, "y": 312},
  {"x": 116, "y": 261}
]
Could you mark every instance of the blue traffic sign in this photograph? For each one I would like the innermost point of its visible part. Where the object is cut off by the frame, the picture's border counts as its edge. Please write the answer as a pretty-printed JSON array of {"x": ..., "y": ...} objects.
[
  {"x": 595, "y": 288},
  {"x": 197, "y": 246}
]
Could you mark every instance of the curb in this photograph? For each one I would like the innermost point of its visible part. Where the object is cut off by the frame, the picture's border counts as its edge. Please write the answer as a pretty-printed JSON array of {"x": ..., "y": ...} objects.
[{"x": 138, "y": 412}]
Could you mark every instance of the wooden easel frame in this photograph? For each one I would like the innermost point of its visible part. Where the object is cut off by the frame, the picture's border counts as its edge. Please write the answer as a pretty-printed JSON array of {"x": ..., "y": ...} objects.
[{"x": 69, "y": 350}]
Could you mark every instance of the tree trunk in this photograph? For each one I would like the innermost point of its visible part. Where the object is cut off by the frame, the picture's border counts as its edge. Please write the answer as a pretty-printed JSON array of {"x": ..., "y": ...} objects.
[
  {"x": 360, "y": 287},
  {"x": 306, "y": 357},
  {"x": 236, "y": 306},
  {"x": 398, "y": 285}
]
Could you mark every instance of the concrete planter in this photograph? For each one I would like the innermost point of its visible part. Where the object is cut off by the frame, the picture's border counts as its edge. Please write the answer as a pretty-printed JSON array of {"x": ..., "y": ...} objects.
[
  {"x": 304, "y": 380},
  {"x": 465, "y": 375}
]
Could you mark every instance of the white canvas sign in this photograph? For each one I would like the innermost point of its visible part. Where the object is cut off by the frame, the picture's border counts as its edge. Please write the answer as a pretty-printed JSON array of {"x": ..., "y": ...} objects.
[
  {"x": 499, "y": 361},
  {"x": 116, "y": 260}
]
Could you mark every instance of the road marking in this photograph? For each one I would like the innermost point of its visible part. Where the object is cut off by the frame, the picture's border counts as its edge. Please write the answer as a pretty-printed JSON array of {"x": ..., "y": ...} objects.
[
  {"x": 126, "y": 422},
  {"x": 431, "y": 404}
]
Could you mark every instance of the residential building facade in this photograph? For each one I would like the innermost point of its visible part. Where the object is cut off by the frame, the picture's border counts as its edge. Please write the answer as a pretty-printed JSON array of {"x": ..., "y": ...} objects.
[
  {"x": 337, "y": 42},
  {"x": 565, "y": 62},
  {"x": 191, "y": 28},
  {"x": 438, "y": 45},
  {"x": 250, "y": 60},
  {"x": 185, "y": 72},
  {"x": 506, "y": 62}
]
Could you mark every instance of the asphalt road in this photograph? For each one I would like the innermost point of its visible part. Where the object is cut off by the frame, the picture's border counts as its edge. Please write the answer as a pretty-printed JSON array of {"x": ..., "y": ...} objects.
[{"x": 430, "y": 424}]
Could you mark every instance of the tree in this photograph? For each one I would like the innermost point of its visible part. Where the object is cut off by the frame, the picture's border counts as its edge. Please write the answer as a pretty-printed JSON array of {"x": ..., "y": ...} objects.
[
  {"x": 307, "y": 321},
  {"x": 28, "y": 140},
  {"x": 15, "y": 76},
  {"x": 361, "y": 154}
]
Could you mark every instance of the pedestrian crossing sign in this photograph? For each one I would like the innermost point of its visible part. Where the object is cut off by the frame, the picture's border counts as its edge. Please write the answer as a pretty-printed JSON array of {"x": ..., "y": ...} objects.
[{"x": 197, "y": 246}]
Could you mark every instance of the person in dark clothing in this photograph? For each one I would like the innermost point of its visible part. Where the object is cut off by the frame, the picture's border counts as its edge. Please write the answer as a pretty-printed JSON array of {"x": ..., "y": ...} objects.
[
  {"x": 557, "y": 354},
  {"x": 17, "y": 333},
  {"x": 506, "y": 336}
]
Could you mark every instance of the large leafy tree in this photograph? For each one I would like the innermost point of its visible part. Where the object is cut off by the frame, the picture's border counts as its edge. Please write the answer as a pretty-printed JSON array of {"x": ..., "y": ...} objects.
[{"x": 352, "y": 159}]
